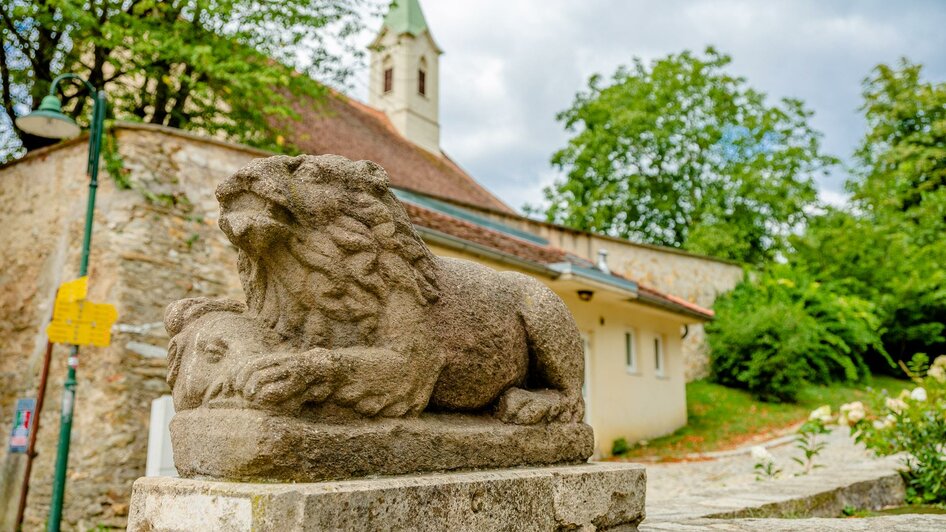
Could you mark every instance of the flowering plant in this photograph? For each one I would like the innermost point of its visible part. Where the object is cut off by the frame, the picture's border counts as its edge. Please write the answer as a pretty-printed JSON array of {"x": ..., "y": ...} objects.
[
  {"x": 808, "y": 442},
  {"x": 914, "y": 423},
  {"x": 764, "y": 463}
]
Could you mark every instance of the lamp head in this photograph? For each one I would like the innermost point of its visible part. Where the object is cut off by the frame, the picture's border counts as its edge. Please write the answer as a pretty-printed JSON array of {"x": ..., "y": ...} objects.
[{"x": 48, "y": 121}]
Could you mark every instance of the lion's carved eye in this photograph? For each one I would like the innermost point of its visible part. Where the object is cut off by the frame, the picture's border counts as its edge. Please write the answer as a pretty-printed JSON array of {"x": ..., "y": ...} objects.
[{"x": 216, "y": 349}]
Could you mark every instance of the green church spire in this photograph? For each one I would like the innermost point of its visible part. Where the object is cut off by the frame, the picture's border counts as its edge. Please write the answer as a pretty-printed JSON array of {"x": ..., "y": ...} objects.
[{"x": 405, "y": 16}]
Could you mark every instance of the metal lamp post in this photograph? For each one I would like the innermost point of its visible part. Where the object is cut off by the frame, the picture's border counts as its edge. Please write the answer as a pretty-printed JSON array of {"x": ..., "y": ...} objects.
[{"x": 49, "y": 121}]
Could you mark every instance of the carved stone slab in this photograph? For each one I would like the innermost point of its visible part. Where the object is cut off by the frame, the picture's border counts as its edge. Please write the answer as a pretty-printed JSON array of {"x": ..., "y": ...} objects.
[{"x": 248, "y": 445}]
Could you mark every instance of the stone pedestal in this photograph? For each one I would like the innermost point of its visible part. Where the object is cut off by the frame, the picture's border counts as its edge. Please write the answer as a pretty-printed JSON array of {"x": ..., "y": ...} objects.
[
  {"x": 253, "y": 446},
  {"x": 585, "y": 497}
]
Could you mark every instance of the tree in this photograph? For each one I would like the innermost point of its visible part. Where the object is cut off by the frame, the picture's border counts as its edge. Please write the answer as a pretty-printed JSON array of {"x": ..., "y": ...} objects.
[
  {"x": 889, "y": 247},
  {"x": 680, "y": 153},
  {"x": 222, "y": 67},
  {"x": 903, "y": 155}
]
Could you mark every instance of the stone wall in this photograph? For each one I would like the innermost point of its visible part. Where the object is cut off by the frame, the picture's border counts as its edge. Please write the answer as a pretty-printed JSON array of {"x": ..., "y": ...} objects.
[
  {"x": 696, "y": 278},
  {"x": 154, "y": 243}
]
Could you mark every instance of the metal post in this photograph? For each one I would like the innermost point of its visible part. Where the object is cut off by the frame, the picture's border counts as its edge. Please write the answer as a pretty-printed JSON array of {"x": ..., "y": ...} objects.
[{"x": 69, "y": 393}]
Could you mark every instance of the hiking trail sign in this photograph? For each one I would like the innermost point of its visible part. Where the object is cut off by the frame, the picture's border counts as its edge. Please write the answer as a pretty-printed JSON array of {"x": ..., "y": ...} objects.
[{"x": 77, "y": 321}]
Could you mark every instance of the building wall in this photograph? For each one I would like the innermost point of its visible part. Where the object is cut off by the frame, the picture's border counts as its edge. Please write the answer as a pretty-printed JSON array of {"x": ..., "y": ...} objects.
[
  {"x": 636, "y": 406},
  {"x": 696, "y": 278},
  {"x": 144, "y": 255}
]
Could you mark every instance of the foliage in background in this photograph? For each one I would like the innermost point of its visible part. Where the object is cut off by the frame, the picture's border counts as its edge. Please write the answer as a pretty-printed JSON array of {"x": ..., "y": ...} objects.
[
  {"x": 221, "y": 67},
  {"x": 781, "y": 330},
  {"x": 913, "y": 423},
  {"x": 889, "y": 246},
  {"x": 682, "y": 154}
]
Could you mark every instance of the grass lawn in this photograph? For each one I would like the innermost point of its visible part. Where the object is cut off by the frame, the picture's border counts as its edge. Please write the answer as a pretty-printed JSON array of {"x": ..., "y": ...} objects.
[{"x": 724, "y": 418}]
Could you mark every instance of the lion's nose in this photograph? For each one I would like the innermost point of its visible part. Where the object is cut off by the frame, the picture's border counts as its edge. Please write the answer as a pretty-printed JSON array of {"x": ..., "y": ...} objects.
[{"x": 236, "y": 225}]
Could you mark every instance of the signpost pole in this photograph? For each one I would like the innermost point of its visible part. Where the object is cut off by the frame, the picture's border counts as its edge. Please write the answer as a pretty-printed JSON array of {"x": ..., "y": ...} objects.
[
  {"x": 31, "y": 449},
  {"x": 69, "y": 393}
]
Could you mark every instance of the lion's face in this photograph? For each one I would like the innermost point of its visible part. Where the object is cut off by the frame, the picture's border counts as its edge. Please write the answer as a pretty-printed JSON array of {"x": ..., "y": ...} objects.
[{"x": 323, "y": 234}]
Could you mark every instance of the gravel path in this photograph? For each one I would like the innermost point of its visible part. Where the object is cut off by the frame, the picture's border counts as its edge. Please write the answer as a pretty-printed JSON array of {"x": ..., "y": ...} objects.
[
  {"x": 727, "y": 486},
  {"x": 670, "y": 480}
]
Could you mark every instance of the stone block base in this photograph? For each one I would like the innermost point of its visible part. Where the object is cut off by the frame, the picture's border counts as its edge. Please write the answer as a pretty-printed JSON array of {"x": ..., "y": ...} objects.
[
  {"x": 586, "y": 497},
  {"x": 249, "y": 445}
]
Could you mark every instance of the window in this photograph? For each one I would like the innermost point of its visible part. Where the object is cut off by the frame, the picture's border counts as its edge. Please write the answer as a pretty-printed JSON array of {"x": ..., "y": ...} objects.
[
  {"x": 422, "y": 82},
  {"x": 630, "y": 354},
  {"x": 659, "y": 362},
  {"x": 388, "y": 79}
]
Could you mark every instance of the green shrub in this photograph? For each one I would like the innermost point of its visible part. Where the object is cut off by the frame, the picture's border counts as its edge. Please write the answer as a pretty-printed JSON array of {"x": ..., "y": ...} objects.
[
  {"x": 775, "y": 333},
  {"x": 619, "y": 447},
  {"x": 913, "y": 423}
]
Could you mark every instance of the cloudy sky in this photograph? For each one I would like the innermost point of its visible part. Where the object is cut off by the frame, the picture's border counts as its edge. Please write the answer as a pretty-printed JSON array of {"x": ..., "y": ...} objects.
[{"x": 510, "y": 65}]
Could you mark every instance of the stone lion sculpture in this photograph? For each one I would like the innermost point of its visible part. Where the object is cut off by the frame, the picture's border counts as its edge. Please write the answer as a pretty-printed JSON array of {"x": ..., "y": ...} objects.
[{"x": 351, "y": 321}]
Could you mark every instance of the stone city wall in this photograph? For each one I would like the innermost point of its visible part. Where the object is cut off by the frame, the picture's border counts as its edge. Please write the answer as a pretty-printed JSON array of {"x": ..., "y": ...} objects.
[{"x": 153, "y": 243}]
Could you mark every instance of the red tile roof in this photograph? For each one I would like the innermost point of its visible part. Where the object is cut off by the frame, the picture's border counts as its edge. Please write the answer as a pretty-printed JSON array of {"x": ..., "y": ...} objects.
[{"x": 347, "y": 127}]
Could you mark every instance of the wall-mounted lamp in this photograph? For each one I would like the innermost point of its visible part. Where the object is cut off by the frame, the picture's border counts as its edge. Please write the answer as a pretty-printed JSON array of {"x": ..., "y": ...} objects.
[{"x": 585, "y": 295}]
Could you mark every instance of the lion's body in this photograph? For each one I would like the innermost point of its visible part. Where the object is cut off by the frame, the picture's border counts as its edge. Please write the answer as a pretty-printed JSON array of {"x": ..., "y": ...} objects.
[{"x": 368, "y": 319}]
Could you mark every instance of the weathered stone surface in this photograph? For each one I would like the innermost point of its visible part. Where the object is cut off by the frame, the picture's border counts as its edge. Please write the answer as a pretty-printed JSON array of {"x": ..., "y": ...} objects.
[
  {"x": 249, "y": 445},
  {"x": 350, "y": 319},
  {"x": 588, "y": 497}
]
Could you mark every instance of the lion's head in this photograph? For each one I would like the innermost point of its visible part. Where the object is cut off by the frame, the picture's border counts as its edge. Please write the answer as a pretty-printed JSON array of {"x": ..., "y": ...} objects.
[{"x": 323, "y": 245}]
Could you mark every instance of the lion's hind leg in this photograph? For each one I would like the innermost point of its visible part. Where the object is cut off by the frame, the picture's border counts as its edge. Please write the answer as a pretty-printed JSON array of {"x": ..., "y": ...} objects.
[{"x": 556, "y": 365}]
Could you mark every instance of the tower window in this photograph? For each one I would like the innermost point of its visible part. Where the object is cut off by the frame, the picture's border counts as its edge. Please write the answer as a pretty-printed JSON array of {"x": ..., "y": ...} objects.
[
  {"x": 388, "y": 79},
  {"x": 422, "y": 82}
]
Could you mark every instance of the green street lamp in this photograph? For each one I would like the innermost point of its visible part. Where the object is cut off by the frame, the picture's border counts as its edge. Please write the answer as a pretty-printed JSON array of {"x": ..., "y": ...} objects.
[{"x": 49, "y": 121}]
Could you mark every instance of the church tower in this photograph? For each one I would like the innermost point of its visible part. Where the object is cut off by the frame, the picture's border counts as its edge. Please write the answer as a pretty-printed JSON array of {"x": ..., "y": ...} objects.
[{"x": 405, "y": 75}]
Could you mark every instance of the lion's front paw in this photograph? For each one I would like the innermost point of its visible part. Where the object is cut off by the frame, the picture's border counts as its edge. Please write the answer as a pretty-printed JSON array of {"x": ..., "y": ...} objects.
[
  {"x": 370, "y": 401},
  {"x": 528, "y": 407},
  {"x": 283, "y": 381}
]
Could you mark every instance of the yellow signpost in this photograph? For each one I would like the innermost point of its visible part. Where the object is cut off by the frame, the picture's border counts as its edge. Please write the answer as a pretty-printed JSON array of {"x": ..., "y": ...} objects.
[{"x": 77, "y": 321}]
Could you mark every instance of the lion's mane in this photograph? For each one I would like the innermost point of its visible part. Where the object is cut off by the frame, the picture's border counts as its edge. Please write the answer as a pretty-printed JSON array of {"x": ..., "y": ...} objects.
[{"x": 349, "y": 247}]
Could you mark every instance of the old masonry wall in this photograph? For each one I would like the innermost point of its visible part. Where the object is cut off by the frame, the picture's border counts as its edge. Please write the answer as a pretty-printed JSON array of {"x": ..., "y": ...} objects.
[{"x": 154, "y": 242}]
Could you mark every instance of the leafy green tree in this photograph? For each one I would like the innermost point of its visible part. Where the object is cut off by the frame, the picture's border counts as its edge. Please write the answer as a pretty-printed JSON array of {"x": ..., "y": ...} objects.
[
  {"x": 903, "y": 155},
  {"x": 222, "y": 67},
  {"x": 680, "y": 153},
  {"x": 889, "y": 247}
]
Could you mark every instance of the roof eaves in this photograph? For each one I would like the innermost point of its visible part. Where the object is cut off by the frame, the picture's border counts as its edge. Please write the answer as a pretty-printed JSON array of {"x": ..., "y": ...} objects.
[
  {"x": 449, "y": 209},
  {"x": 453, "y": 242},
  {"x": 662, "y": 301},
  {"x": 594, "y": 274}
]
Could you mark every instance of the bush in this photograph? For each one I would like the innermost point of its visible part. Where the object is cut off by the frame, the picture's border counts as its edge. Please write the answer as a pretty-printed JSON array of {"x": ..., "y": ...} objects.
[
  {"x": 775, "y": 333},
  {"x": 915, "y": 424},
  {"x": 620, "y": 446}
]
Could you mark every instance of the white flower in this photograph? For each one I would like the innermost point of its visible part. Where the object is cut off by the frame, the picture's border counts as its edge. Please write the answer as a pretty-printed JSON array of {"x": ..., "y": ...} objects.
[
  {"x": 851, "y": 413},
  {"x": 822, "y": 413},
  {"x": 918, "y": 394},
  {"x": 938, "y": 372},
  {"x": 762, "y": 455},
  {"x": 940, "y": 362},
  {"x": 879, "y": 425},
  {"x": 896, "y": 405}
]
